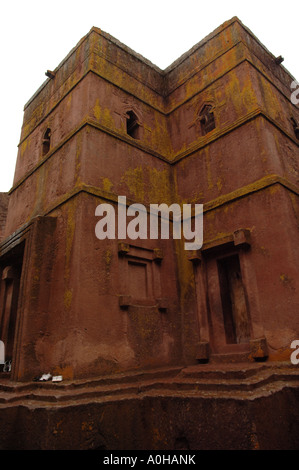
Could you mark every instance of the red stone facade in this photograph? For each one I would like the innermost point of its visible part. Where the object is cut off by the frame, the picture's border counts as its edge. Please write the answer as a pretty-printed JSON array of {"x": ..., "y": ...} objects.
[
  {"x": 3, "y": 212},
  {"x": 215, "y": 128}
]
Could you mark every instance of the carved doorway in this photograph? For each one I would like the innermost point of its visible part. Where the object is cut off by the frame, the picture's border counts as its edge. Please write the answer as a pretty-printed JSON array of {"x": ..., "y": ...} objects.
[{"x": 10, "y": 276}]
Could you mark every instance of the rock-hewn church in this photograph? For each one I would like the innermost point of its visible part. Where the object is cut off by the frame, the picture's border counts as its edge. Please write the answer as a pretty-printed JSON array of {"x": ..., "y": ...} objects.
[{"x": 157, "y": 347}]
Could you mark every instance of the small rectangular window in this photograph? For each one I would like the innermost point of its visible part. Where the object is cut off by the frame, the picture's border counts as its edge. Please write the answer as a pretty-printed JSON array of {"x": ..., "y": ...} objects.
[
  {"x": 132, "y": 125},
  {"x": 207, "y": 119},
  {"x": 46, "y": 141}
]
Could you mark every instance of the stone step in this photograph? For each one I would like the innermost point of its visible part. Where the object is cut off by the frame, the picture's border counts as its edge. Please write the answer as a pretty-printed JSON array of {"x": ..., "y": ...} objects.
[
  {"x": 120, "y": 378},
  {"x": 193, "y": 380},
  {"x": 230, "y": 358}
]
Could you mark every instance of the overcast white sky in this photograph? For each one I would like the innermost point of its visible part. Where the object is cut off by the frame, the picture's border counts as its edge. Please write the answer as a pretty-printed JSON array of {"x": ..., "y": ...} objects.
[{"x": 36, "y": 36}]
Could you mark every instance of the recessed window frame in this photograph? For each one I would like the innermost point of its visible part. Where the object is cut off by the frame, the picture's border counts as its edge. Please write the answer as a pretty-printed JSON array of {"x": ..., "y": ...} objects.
[
  {"x": 207, "y": 119},
  {"x": 296, "y": 127},
  {"x": 132, "y": 125},
  {"x": 46, "y": 143}
]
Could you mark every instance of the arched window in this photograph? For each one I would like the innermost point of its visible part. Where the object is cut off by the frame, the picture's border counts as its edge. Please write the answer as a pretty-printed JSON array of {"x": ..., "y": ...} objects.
[
  {"x": 207, "y": 119},
  {"x": 296, "y": 128},
  {"x": 46, "y": 141},
  {"x": 132, "y": 125}
]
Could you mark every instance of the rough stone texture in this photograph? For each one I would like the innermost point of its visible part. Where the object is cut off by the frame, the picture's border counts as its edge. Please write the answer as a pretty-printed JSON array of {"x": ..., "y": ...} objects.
[
  {"x": 3, "y": 213},
  {"x": 86, "y": 308},
  {"x": 197, "y": 408}
]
